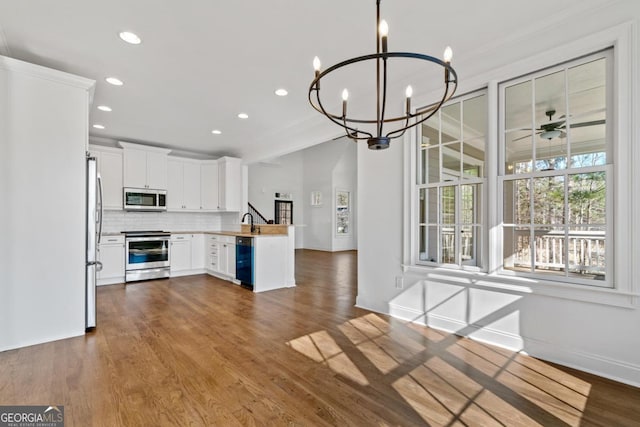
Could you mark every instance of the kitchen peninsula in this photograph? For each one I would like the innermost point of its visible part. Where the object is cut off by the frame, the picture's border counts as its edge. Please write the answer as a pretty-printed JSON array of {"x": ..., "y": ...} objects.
[
  {"x": 261, "y": 261},
  {"x": 271, "y": 256}
]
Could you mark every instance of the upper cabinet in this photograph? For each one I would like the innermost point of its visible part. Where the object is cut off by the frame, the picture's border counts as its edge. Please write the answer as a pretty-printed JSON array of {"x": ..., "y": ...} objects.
[
  {"x": 110, "y": 169},
  {"x": 230, "y": 184},
  {"x": 145, "y": 167},
  {"x": 192, "y": 185},
  {"x": 209, "y": 185},
  {"x": 183, "y": 188}
]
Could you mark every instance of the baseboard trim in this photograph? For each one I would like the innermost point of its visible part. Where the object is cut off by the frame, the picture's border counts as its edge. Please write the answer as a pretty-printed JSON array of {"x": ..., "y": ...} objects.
[{"x": 29, "y": 343}]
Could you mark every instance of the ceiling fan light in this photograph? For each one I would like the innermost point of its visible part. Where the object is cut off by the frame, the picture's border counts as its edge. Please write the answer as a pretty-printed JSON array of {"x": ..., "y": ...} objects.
[{"x": 550, "y": 134}]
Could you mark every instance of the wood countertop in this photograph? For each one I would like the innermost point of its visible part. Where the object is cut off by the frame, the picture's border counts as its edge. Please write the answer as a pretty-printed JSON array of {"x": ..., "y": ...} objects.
[{"x": 265, "y": 230}]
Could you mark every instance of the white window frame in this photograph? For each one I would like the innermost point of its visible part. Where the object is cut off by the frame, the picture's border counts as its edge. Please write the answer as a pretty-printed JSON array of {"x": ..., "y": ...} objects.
[
  {"x": 625, "y": 238},
  {"x": 607, "y": 168},
  {"x": 456, "y": 184}
]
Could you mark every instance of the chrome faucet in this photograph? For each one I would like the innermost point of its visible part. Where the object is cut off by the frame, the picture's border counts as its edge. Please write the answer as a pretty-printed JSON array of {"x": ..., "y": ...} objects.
[{"x": 253, "y": 227}]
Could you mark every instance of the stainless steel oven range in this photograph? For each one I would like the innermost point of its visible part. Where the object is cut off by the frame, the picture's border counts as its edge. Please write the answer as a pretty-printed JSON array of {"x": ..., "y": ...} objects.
[{"x": 146, "y": 255}]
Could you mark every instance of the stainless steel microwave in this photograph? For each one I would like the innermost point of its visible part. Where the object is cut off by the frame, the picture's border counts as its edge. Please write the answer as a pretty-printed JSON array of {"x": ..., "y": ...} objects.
[{"x": 144, "y": 199}]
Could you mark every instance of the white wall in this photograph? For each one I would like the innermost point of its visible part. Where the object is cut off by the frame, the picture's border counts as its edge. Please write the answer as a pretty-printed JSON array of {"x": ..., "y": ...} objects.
[
  {"x": 345, "y": 178},
  {"x": 592, "y": 336},
  {"x": 320, "y": 164},
  {"x": 283, "y": 175},
  {"x": 44, "y": 140},
  {"x": 323, "y": 168}
]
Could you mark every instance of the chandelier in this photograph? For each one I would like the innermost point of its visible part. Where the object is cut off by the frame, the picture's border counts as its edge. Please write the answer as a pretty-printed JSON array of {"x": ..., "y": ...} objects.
[{"x": 373, "y": 130}]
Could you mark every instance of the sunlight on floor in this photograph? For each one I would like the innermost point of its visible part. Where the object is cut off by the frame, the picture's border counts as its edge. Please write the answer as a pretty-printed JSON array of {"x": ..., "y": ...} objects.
[
  {"x": 447, "y": 380},
  {"x": 320, "y": 347}
]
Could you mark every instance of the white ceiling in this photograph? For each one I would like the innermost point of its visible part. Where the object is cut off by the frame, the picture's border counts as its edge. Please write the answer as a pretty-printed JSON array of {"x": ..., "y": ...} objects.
[{"x": 202, "y": 62}]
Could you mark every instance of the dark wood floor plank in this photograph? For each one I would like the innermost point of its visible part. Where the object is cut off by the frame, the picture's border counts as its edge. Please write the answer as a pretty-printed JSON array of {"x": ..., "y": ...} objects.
[{"x": 197, "y": 350}]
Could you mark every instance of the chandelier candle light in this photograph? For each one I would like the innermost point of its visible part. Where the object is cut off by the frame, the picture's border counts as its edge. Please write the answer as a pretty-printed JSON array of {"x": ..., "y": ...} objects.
[{"x": 378, "y": 140}]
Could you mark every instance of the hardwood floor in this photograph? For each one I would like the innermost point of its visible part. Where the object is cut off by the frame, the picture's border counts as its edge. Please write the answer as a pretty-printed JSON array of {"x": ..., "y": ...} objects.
[{"x": 200, "y": 351}]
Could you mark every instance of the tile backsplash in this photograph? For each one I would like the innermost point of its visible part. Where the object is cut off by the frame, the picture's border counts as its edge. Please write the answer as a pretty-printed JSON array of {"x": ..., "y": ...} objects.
[{"x": 116, "y": 221}]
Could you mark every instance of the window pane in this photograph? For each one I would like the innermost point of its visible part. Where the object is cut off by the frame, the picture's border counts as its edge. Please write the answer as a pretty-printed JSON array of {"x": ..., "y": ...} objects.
[
  {"x": 518, "y": 106},
  {"x": 448, "y": 243},
  {"x": 448, "y": 205},
  {"x": 470, "y": 201},
  {"x": 474, "y": 132},
  {"x": 473, "y": 158},
  {"x": 587, "y": 198},
  {"x": 451, "y": 123},
  {"x": 551, "y": 154},
  {"x": 548, "y": 200},
  {"x": 551, "y": 113},
  {"x": 428, "y": 244},
  {"x": 587, "y": 103},
  {"x": 430, "y": 138},
  {"x": 518, "y": 151},
  {"x": 587, "y": 252},
  {"x": 451, "y": 162},
  {"x": 475, "y": 117},
  {"x": 517, "y": 249},
  {"x": 430, "y": 132},
  {"x": 470, "y": 245},
  {"x": 587, "y": 87},
  {"x": 517, "y": 202},
  {"x": 433, "y": 164},
  {"x": 549, "y": 250},
  {"x": 428, "y": 206}
]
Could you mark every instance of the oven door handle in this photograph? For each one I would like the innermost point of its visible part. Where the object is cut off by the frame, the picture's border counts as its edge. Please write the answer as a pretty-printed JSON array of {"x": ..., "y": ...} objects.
[{"x": 146, "y": 239}]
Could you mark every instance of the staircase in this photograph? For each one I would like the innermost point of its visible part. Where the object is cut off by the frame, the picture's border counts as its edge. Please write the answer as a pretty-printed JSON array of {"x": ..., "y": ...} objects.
[{"x": 258, "y": 218}]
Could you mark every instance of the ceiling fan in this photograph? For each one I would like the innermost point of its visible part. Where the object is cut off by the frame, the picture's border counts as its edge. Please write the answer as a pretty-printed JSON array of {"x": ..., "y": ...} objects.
[{"x": 555, "y": 128}]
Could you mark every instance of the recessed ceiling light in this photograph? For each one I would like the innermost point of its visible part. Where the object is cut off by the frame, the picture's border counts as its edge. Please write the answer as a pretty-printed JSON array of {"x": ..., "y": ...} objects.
[
  {"x": 114, "y": 81},
  {"x": 282, "y": 92},
  {"x": 216, "y": 132},
  {"x": 243, "y": 115},
  {"x": 104, "y": 108},
  {"x": 98, "y": 126},
  {"x": 130, "y": 37}
]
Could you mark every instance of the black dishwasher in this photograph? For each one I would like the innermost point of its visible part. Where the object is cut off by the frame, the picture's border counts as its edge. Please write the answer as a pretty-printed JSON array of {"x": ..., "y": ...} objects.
[{"x": 244, "y": 261}]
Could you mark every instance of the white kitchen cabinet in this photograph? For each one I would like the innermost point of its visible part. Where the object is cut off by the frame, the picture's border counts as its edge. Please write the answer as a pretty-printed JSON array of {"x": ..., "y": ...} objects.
[
  {"x": 211, "y": 253},
  {"x": 144, "y": 167},
  {"x": 230, "y": 184},
  {"x": 227, "y": 256},
  {"x": 197, "y": 252},
  {"x": 183, "y": 186},
  {"x": 109, "y": 161},
  {"x": 180, "y": 253},
  {"x": 111, "y": 255},
  {"x": 209, "y": 185}
]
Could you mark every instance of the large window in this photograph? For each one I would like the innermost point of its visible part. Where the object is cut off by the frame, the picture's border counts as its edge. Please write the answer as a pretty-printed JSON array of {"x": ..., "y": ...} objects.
[
  {"x": 451, "y": 175},
  {"x": 555, "y": 147},
  {"x": 552, "y": 173}
]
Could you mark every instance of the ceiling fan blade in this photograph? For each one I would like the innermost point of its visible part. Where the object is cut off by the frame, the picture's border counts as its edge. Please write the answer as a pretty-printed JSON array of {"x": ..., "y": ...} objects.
[
  {"x": 554, "y": 123},
  {"x": 591, "y": 123},
  {"x": 526, "y": 136}
]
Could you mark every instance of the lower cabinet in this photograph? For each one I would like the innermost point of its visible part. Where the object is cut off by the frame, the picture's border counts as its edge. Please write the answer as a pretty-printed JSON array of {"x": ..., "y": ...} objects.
[
  {"x": 228, "y": 256},
  {"x": 111, "y": 255},
  {"x": 187, "y": 254},
  {"x": 180, "y": 253},
  {"x": 211, "y": 253},
  {"x": 221, "y": 255},
  {"x": 197, "y": 252}
]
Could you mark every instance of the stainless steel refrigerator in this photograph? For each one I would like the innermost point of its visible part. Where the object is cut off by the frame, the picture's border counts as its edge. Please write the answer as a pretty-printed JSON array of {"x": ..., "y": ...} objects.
[{"x": 94, "y": 230}]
